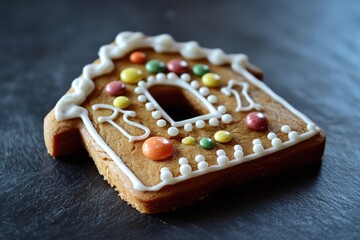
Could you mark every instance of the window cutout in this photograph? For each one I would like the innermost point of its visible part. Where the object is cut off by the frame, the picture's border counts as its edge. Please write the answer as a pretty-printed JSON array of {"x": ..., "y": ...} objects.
[{"x": 177, "y": 103}]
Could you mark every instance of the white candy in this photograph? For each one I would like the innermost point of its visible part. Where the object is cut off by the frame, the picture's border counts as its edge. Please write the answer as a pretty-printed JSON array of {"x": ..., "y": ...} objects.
[
  {"x": 212, "y": 99},
  {"x": 276, "y": 142},
  {"x": 141, "y": 98},
  {"x": 195, "y": 84},
  {"x": 271, "y": 136},
  {"x": 203, "y": 166},
  {"x": 285, "y": 129},
  {"x": 160, "y": 77},
  {"x": 204, "y": 91},
  {"x": 156, "y": 114},
  {"x": 185, "y": 77},
  {"x": 293, "y": 135},
  {"x": 172, "y": 76},
  {"x": 258, "y": 148},
  {"x": 222, "y": 109},
  {"x": 220, "y": 152},
  {"x": 214, "y": 122},
  {"x": 227, "y": 118},
  {"x": 222, "y": 160},
  {"x": 256, "y": 141},
  {"x": 165, "y": 174},
  {"x": 311, "y": 127},
  {"x": 138, "y": 90},
  {"x": 238, "y": 154},
  {"x": 149, "y": 106},
  {"x": 238, "y": 147},
  {"x": 183, "y": 161}
]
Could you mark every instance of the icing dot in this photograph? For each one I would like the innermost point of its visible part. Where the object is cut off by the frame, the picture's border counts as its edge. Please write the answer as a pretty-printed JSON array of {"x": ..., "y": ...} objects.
[
  {"x": 188, "y": 141},
  {"x": 138, "y": 90},
  {"x": 142, "y": 84},
  {"x": 203, "y": 166},
  {"x": 141, "y": 98},
  {"x": 204, "y": 91},
  {"x": 271, "y": 136},
  {"x": 214, "y": 122},
  {"x": 138, "y": 57},
  {"x": 200, "y": 69},
  {"x": 256, "y": 121},
  {"x": 238, "y": 154},
  {"x": 173, "y": 131},
  {"x": 185, "y": 77},
  {"x": 149, "y": 106},
  {"x": 211, "y": 80},
  {"x": 293, "y": 135},
  {"x": 276, "y": 142},
  {"x": 131, "y": 75},
  {"x": 226, "y": 118},
  {"x": 222, "y": 109},
  {"x": 222, "y": 136},
  {"x": 256, "y": 141},
  {"x": 188, "y": 127},
  {"x": 161, "y": 123},
  {"x": 160, "y": 77},
  {"x": 220, "y": 152},
  {"x": 157, "y": 148},
  {"x": 156, "y": 114},
  {"x": 185, "y": 169},
  {"x": 121, "y": 102},
  {"x": 172, "y": 76},
  {"x": 222, "y": 160},
  {"x": 151, "y": 79},
  {"x": 285, "y": 129},
  {"x": 212, "y": 99},
  {"x": 238, "y": 147},
  {"x": 183, "y": 161},
  {"x": 155, "y": 66},
  {"x": 199, "y": 158},
  {"x": 115, "y": 88},
  {"x": 165, "y": 174},
  {"x": 311, "y": 127},
  {"x": 200, "y": 124},
  {"x": 206, "y": 143},
  {"x": 195, "y": 84},
  {"x": 178, "y": 66},
  {"x": 258, "y": 148}
]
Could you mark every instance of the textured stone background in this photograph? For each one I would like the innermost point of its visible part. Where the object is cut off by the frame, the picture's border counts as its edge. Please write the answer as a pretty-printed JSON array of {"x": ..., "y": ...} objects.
[{"x": 310, "y": 52}]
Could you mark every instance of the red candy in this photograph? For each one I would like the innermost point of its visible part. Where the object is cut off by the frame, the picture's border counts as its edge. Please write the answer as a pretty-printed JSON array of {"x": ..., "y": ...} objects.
[
  {"x": 177, "y": 66},
  {"x": 115, "y": 88},
  {"x": 256, "y": 121},
  {"x": 157, "y": 148},
  {"x": 138, "y": 57}
]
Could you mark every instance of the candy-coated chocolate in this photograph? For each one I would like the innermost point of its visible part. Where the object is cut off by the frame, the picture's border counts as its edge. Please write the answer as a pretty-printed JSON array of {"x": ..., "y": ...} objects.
[
  {"x": 115, "y": 88},
  {"x": 158, "y": 148},
  {"x": 206, "y": 143},
  {"x": 211, "y": 80},
  {"x": 138, "y": 57},
  {"x": 121, "y": 102},
  {"x": 200, "y": 69},
  {"x": 131, "y": 75},
  {"x": 155, "y": 66},
  {"x": 256, "y": 121},
  {"x": 188, "y": 141},
  {"x": 178, "y": 66},
  {"x": 222, "y": 136}
]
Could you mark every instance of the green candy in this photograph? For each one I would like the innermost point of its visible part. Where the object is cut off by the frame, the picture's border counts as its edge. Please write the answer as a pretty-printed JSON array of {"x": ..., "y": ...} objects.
[
  {"x": 206, "y": 143},
  {"x": 155, "y": 66},
  {"x": 200, "y": 69}
]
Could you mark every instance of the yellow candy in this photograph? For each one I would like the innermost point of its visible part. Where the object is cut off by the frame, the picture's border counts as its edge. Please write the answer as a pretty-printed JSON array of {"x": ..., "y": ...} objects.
[
  {"x": 211, "y": 80},
  {"x": 121, "y": 102},
  {"x": 222, "y": 136},
  {"x": 188, "y": 141},
  {"x": 131, "y": 75}
]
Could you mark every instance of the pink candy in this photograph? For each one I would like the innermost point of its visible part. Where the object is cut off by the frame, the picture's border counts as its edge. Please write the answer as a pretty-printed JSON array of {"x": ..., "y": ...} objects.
[
  {"x": 178, "y": 66},
  {"x": 256, "y": 121},
  {"x": 115, "y": 88}
]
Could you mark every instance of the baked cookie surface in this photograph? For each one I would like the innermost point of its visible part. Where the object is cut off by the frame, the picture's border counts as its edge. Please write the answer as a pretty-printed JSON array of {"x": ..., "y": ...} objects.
[{"x": 166, "y": 122}]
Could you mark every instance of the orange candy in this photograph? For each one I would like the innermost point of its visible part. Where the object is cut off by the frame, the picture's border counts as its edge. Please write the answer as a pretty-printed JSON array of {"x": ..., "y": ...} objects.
[
  {"x": 138, "y": 57},
  {"x": 157, "y": 148}
]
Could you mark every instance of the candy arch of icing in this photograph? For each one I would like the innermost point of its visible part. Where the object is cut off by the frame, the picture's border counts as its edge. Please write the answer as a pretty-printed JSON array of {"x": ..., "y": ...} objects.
[
  {"x": 68, "y": 106},
  {"x": 178, "y": 82}
]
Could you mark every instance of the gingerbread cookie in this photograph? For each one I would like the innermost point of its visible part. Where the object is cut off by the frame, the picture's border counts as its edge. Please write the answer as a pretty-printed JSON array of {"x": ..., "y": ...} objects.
[{"x": 167, "y": 122}]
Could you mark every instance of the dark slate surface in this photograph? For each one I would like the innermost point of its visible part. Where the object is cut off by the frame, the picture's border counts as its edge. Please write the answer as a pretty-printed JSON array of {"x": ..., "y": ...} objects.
[{"x": 310, "y": 52}]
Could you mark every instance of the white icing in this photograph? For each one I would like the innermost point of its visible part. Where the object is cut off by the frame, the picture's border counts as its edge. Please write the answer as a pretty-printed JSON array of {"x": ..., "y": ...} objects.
[
  {"x": 228, "y": 90},
  {"x": 69, "y": 105},
  {"x": 185, "y": 169},
  {"x": 161, "y": 123},
  {"x": 156, "y": 114},
  {"x": 285, "y": 129},
  {"x": 188, "y": 127},
  {"x": 204, "y": 91},
  {"x": 202, "y": 166},
  {"x": 199, "y": 158},
  {"x": 126, "y": 114},
  {"x": 271, "y": 136},
  {"x": 220, "y": 152},
  {"x": 183, "y": 161},
  {"x": 222, "y": 160},
  {"x": 173, "y": 131},
  {"x": 227, "y": 118},
  {"x": 238, "y": 154},
  {"x": 256, "y": 141},
  {"x": 258, "y": 148},
  {"x": 293, "y": 135},
  {"x": 212, "y": 99},
  {"x": 222, "y": 109},
  {"x": 238, "y": 147},
  {"x": 175, "y": 81},
  {"x": 185, "y": 77},
  {"x": 141, "y": 98},
  {"x": 214, "y": 122},
  {"x": 149, "y": 106}
]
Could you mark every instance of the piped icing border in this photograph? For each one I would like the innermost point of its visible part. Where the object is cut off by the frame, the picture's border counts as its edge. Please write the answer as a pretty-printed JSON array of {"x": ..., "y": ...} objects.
[{"x": 68, "y": 106}]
